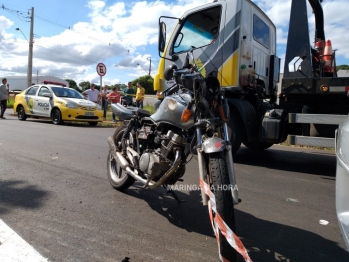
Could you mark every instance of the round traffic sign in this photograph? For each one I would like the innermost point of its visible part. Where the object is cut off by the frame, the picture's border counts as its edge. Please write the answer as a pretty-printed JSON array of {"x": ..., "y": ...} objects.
[{"x": 101, "y": 69}]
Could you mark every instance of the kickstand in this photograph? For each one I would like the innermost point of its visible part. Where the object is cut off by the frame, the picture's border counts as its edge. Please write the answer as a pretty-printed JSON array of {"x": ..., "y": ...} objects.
[{"x": 170, "y": 190}]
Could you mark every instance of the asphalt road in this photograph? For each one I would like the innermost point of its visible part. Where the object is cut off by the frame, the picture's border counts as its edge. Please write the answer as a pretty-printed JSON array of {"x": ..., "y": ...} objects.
[{"x": 55, "y": 194}]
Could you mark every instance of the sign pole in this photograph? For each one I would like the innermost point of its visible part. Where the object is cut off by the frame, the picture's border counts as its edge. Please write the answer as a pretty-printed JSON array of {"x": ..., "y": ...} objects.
[
  {"x": 101, "y": 71},
  {"x": 101, "y": 91}
]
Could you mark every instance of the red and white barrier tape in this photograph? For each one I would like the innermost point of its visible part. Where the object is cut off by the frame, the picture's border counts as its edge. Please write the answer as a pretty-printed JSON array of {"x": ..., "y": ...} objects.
[{"x": 219, "y": 224}]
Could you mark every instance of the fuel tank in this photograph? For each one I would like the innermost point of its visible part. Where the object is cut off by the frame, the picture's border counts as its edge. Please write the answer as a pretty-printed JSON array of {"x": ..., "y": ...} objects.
[{"x": 170, "y": 111}]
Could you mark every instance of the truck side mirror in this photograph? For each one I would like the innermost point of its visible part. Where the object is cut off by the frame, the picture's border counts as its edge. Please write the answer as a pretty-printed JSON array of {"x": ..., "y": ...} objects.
[{"x": 162, "y": 37}]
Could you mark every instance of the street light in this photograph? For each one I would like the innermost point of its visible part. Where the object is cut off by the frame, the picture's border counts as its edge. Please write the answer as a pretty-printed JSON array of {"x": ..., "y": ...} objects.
[
  {"x": 144, "y": 68},
  {"x": 18, "y": 29},
  {"x": 148, "y": 58}
]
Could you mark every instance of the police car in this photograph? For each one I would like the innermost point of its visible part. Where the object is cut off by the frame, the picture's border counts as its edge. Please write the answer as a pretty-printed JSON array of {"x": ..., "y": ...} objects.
[{"x": 54, "y": 100}]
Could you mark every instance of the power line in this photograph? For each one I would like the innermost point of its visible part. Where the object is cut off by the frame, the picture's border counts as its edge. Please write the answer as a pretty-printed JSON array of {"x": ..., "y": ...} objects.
[
  {"x": 57, "y": 49},
  {"x": 22, "y": 16}
]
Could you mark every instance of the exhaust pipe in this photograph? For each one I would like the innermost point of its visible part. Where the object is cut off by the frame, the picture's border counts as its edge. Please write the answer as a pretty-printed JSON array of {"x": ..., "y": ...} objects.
[{"x": 121, "y": 160}]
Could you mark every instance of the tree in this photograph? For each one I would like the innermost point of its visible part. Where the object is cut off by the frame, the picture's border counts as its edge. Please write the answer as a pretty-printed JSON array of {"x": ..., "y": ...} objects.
[
  {"x": 85, "y": 85},
  {"x": 147, "y": 82},
  {"x": 342, "y": 67},
  {"x": 72, "y": 84}
]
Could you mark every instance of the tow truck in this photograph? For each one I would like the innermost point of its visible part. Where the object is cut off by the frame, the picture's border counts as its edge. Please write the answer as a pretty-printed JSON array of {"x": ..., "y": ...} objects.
[{"x": 234, "y": 44}]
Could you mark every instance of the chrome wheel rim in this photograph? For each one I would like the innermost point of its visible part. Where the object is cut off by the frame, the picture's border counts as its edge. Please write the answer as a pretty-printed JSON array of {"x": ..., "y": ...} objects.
[{"x": 116, "y": 172}]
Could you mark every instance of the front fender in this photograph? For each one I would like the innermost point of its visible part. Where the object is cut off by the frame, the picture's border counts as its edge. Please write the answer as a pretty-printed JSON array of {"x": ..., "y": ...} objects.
[{"x": 213, "y": 144}]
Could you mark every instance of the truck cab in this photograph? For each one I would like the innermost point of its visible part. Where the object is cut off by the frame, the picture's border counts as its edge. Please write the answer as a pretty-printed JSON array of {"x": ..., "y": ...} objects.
[
  {"x": 232, "y": 41},
  {"x": 234, "y": 45}
]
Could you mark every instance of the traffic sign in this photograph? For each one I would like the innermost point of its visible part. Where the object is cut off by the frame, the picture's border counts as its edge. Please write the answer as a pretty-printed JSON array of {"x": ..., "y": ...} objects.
[{"x": 101, "y": 69}]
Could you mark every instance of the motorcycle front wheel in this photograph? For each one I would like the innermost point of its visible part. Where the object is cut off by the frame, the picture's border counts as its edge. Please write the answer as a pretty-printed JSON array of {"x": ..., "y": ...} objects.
[
  {"x": 118, "y": 177},
  {"x": 224, "y": 201}
]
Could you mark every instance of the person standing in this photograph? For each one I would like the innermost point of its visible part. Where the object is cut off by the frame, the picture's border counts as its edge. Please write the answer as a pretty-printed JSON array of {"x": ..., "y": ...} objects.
[
  {"x": 114, "y": 97},
  {"x": 104, "y": 93},
  {"x": 129, "y": 93},
  {"x": 93, "y": 94},
  {"x": 4, "y": 90},
  {"x": 140, "y": 95}
]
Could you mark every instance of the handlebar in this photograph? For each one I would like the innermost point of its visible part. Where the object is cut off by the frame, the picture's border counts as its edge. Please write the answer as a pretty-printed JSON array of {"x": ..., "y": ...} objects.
[{"x": 168, "y": 90}]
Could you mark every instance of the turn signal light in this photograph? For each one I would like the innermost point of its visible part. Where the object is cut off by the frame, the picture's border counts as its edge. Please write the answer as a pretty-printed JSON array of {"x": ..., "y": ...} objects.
[
  {"x": 186, "y": 114},
  {"x": 324, "y": 88}
]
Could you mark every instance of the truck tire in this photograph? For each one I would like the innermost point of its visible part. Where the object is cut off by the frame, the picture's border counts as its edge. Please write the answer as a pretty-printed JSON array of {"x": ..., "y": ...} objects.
[
  {"x": 236, "y": 130},
  {"x": 256, "y": 145},
  {"x": 224, "y": 201},
  {"x": 118, "y": 177}
]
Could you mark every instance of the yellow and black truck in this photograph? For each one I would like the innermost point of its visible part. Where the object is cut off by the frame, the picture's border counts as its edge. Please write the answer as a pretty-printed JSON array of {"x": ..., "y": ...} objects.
[{"x": 234, "y": 41}]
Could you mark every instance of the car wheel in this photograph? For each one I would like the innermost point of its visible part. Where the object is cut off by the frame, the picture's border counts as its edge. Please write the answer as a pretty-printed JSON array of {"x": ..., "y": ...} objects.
[
  {"x": 92, "y": 123},
  {"x": 21, "y": 113},
  {"x": 56, "y": 117}
]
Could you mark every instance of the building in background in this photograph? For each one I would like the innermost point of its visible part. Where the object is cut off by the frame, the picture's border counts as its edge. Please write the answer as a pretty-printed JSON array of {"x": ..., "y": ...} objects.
[{"x": 18, "y": 83}]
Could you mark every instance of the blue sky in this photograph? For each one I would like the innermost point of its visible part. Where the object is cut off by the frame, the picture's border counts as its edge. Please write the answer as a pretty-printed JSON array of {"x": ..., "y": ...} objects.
[{"x": 72, "y": 37}]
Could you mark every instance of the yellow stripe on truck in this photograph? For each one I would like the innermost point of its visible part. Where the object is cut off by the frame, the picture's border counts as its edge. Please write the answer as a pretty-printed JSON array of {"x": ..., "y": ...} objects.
[
  {"x": 159, "y": 82},
  {"x": 229, "y": 71}
]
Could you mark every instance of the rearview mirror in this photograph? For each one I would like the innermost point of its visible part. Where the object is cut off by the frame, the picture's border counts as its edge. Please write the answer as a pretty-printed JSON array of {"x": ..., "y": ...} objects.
[
  {"x": 162, "y": 37},
  {"x": 46, "y": 95}
]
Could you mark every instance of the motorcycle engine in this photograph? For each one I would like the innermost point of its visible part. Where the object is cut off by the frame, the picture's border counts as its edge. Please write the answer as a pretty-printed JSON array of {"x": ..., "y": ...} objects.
[{"x": 157, "y": 163}]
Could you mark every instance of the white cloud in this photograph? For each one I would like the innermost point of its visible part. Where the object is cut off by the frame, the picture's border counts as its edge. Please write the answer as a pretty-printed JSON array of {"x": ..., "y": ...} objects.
[{"x": 123, "y": 32}]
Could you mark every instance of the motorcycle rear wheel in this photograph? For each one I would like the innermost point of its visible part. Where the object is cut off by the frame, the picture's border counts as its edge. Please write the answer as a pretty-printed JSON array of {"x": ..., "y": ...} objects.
[
  {"x": 224, "y": 200},
  {"x": 118, "y": 177}
]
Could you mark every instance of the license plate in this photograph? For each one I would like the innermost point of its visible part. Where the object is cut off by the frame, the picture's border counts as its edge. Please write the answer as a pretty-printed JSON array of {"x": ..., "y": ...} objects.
[{"x": 89, "y": 114}]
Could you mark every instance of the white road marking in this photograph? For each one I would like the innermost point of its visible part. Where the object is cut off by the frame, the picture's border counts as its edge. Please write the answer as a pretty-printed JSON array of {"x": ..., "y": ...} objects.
[
  {"x": 292, "y": 200},
  {"x": 13, "y": 248},
  {"x": 323, "y": 222}
]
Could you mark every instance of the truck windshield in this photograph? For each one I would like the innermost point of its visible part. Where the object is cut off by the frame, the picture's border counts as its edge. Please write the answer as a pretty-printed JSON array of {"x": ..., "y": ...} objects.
[{"x": 199, "y": 29}]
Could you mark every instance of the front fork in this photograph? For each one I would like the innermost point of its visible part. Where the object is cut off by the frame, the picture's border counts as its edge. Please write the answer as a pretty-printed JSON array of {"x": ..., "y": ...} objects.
[{"x": 229, "y": 161}]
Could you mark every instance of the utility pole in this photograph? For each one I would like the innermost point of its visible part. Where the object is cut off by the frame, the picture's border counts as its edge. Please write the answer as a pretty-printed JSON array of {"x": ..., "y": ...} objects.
[
  {"x": 30, "y": 55},
  {"x": 149, "y": 65}
]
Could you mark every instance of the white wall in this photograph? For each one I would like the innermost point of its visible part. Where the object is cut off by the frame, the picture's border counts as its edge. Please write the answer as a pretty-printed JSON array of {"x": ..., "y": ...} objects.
[{"x": 20, "y": 82}]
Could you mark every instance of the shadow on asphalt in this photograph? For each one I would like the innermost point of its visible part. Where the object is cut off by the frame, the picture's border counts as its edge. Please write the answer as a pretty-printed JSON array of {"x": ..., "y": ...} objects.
[
  {"x": 190, "y": 215},
  {"x": 16, "y": 193},
  {"x": 279, "y": 158},
  {"x": 266, "y": 241}
]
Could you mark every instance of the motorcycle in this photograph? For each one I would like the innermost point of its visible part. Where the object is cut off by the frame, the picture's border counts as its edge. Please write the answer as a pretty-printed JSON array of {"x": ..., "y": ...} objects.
[
  {"x": 124, "y": 101},
  {"x": 154, "y": 149}
]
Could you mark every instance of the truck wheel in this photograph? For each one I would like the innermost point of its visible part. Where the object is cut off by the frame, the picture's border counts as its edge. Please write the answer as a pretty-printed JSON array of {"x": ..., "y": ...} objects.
[
  {"x": 56, "y": 117},
  {"x": 21, "y": 113},
  {"x": 224, "y": 201},
  {"x": 236, "y": 130},
  {"x": 118, "y": 177},
  {"x": 256, "y": 145}
]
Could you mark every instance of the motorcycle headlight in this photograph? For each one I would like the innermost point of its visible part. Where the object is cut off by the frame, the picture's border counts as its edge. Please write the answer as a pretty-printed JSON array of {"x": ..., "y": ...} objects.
[{"x": 71, "y": 105}]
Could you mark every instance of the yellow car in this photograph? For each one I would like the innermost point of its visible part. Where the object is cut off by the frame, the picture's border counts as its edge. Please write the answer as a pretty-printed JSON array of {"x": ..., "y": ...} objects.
[{"x": 53, "y": 100}]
